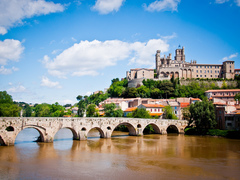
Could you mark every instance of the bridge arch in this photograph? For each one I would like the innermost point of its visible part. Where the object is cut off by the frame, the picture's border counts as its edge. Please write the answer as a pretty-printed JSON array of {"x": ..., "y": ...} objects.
[
  {"x": 155, "y": 128},
  {"x": 131, "y": 128},
  {"x": 74, "y": 133},
  {"x": 99, "y": 130},
  {"x": 40, "y": 130},
  {"x": 172, "y": 129}
]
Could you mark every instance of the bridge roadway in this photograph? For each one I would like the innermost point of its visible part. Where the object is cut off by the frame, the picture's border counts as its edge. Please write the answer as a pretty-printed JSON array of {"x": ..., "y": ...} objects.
[{"x": 49, "y": 126}]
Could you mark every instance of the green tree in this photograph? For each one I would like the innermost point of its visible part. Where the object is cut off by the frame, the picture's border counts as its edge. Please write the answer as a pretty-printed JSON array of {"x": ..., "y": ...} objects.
[
  {"x": 118, "y": 113},
  {"x": 81, "y": 105},
  {"x": 237, "y": 97},
  {"x": 27, "y": 111},
  {"x": 203, "y": 115},
  {"x": 140, "y": 113},
  {"x": 109, "y": 109},
  {"x": 7, "y": 107},
  {"x": 169, "y": 113},
  {"x": 92, "y": 111},
  {"x": 42, "y": 110}
]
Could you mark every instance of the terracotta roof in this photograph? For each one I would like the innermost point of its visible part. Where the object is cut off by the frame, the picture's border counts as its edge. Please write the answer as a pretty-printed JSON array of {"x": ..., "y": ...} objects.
[
  {"x": 153, "y": 105},
  {"x": 156, "y": 114},
  {"x": 223, "y": 90},
  {"x": 219, "y": 103},
  {"x": 195, "y": 99},
  {"x": 183, "y": 105},
  {"x": 130, "y": 109},
  {"x": 237, "y": 69}
]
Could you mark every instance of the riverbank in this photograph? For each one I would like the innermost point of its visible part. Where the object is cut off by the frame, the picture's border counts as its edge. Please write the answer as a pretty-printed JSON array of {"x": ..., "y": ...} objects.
[{"x": 213, "y": 132}]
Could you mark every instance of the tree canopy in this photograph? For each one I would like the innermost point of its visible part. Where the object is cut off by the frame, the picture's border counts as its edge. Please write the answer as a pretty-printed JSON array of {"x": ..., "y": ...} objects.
[{"x": 203, "y": 114}]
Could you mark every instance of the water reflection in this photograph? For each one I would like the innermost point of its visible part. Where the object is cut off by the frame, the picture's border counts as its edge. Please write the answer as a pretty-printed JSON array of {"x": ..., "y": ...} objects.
[{"x": 123, "y": 157}]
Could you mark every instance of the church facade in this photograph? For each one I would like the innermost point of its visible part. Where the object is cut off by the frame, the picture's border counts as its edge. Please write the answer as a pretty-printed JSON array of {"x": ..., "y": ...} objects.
[{"x": 166, "y": 67}]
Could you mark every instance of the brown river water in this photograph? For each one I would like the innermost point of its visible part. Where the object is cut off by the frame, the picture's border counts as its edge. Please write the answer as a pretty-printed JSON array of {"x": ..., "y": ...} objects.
[{"x": 121, "y": 157}]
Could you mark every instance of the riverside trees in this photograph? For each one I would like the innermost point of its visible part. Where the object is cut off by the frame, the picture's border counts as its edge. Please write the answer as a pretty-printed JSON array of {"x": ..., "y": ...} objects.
[
  {"x": 7, "y": 106},
  {"x": 203, "y": 115}
]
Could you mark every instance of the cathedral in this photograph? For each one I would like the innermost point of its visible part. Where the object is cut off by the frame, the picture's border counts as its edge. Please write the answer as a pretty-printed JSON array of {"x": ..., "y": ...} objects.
[{"x": 166, "y": 67}]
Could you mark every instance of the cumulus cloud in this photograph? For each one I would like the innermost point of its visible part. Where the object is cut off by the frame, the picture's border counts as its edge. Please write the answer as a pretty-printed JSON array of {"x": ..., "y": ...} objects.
[
  {"x": 87, "y": 57},
  {"x": 163, "y": 5},
  {"x": 17, "y": 89},
  {"x": 10, "y": 50},
  {"x": 12, "y": 12},
  {"x": 107, "y": 6},
  {"x": 46, "y": 82},
  {"x": 224, "y": 1},
  {"x": 6, "y": 71},
  {"x": 221, "y": 1},
  {"x": 237, "y": 2},
  {"x": 230, "y": 57}
]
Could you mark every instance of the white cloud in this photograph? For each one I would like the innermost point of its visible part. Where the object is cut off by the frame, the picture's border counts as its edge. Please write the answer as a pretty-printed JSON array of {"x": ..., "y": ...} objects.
[
  {"x": 10, "y": 50},
  {"x": 163, "y": 5},
  {"x": 46, "y": 82},
  {"x": 6, "y": 71},
  {"x": 221, "y": 1},
  {"x": 107, "y": 6},
  {"x": 12, "y": 12},
  {"x": 17, "y": 89},
  {"x": 230, "y": 57},
  {"x": 237, "y": 2},
  {"x": 87, "y": 57},
  {"x": 224, "y": 1}
]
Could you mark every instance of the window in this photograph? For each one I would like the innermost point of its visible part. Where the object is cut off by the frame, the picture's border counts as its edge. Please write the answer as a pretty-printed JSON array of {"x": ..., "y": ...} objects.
[
  {"x": 197, "y": 75},
  {"x": 200, "y": 71},
  {"x": 205, "y": 71},
  {"x": 211, "y": 71},
  {"x": 200, "y": 75},
  {"x": 204, "y": 66},
  {"x": 196, "y": 66},
  {"x": 210, "y": 66},
  {"x": 200, "y": 66},
  {"x": 197, "y": 71},
  {"x": 205, "y": 75},
  {"x": 208, "y": 71}
]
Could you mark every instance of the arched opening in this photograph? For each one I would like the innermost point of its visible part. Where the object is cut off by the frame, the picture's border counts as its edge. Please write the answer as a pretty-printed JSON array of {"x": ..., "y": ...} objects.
[
  {"x": 124, "y": 129},
  {"x": 139, "y": 126},
  {"x": 2, "y": 143},
  {"x": 151, "y": 129},
  {"x": 83, "y": 129},
  {"x": 63, "y": 139},
  {"x": 29, "y": 135},
  {"x": 9, "y": 128},
  {"x": 95, "y": 133},
  {"x": 65, "y": 134},
  {"x": 172, "y": 129},
  {"x": 109, "y": 128}
]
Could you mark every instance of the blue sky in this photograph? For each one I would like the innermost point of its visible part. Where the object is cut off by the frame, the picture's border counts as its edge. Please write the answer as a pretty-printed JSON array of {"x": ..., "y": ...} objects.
[{"x": 54, "y": 50}]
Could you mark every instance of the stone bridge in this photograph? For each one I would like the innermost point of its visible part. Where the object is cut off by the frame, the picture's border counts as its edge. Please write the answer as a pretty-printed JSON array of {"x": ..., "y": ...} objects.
[{"x": 49, "y": 126}]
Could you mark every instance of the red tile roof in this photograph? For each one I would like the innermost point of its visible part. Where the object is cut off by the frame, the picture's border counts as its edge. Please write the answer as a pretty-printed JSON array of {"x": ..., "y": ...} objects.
[
  {"x": 223, "y": 90},
  {"x": 153, "y": 105},
  {"x": 130, "y": 109},
  {"x": 183, "y": 105},
  {"x": 156, "y": 114}
]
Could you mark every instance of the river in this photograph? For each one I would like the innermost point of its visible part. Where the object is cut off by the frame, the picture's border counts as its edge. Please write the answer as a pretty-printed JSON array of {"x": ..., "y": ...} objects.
[{"x": 121, "y": 157}]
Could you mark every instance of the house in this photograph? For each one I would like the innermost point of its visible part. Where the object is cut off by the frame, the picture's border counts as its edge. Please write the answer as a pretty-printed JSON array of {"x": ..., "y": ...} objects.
[
  {"x": 154, "y": 109},
  {"x": 129, "y": 110},
  {"x": 225, "y": 94}
]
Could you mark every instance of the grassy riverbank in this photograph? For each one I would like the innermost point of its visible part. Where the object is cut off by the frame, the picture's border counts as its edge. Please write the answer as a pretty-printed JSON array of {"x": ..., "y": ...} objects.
[{"x": 213, "y": 132}]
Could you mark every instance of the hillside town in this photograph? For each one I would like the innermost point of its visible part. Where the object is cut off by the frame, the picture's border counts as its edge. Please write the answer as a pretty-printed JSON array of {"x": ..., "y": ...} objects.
[{"x": 174, "y": 85}]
